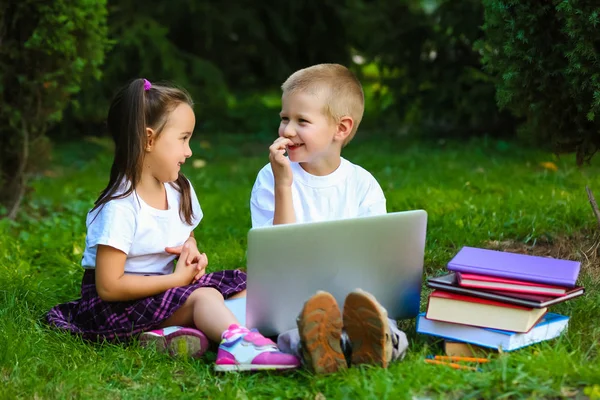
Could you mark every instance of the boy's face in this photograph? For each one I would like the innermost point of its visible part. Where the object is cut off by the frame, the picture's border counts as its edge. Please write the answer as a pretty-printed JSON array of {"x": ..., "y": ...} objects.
[{"x": 304, "y": 122}]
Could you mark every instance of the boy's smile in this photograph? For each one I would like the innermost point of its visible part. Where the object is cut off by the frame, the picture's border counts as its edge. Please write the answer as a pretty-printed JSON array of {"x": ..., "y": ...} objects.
[{"x": 295, "y": 146}]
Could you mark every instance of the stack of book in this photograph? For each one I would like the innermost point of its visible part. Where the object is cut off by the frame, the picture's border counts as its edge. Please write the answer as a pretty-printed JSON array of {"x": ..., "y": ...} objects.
[{"x": 499, "y": 300}]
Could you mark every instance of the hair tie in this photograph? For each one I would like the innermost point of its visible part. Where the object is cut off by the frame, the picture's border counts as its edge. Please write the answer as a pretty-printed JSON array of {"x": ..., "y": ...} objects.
[{"x": 147, "y": 85}]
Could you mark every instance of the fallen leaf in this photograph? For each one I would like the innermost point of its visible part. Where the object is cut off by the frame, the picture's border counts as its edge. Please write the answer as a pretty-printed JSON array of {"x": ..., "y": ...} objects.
[
  {"x": 568, "y": 391},
  {"x": 549, "y": 165}
]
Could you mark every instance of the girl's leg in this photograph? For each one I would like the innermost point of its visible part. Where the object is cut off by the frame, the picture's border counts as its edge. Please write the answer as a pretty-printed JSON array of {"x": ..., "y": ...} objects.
[
  {"x": 239, "y": 295},
  {"x": 239, "y": 349},
  {"x": 206, "y": 310}
]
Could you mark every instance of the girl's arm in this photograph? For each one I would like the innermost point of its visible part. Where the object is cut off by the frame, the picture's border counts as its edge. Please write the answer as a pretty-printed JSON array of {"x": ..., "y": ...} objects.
[{"x": 112, "y": 284}]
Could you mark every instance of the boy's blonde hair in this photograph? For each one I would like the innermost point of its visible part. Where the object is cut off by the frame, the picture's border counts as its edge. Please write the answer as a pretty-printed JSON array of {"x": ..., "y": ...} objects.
[{"x": 336, "y": 85}]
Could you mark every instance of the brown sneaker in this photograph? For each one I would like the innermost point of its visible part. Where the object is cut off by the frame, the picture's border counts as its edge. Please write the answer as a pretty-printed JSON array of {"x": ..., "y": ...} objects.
[
  {"x": 367, "y": 326},
  {"x": 320, "y": 328}
]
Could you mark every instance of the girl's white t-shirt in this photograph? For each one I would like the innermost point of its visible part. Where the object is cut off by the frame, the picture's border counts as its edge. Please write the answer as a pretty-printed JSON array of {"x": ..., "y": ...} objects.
[
  {"x": 348, "y": 192},
  {"x": 140, "y": 231}
]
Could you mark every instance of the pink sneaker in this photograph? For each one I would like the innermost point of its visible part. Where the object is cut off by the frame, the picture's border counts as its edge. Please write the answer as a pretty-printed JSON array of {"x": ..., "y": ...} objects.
[
  {"x": 177, "y": 341},
  {"x": 247, "y": 350}
]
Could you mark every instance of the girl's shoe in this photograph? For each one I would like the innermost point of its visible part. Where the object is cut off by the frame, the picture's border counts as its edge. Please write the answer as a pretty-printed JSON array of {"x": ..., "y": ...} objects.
[
  {"x": 320, "y": 329},
  {"x": 247, "y": 350},
  {"x": 177, "y": 341},
  {"x": 367, "y": 325}
]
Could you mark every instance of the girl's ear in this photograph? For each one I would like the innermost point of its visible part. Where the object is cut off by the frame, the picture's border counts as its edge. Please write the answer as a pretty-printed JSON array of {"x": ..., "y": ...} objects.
[
  {"x": 150, "y": 139},
  {"x": 344, "y": 128}
]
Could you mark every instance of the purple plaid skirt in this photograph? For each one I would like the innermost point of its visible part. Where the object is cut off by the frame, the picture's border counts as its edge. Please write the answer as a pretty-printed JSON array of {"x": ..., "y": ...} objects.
[{"x": 96, "y": 319}]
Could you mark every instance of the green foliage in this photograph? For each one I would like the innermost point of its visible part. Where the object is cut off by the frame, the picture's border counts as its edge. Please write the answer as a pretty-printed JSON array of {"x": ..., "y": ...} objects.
[
  {"x": 47, "y": 51},
  {"x": 474, "y": 192},
  {"x": 546, "y": 56},
  {"x": 226, "y": 54},
  {"x": 425, "y": 56}
]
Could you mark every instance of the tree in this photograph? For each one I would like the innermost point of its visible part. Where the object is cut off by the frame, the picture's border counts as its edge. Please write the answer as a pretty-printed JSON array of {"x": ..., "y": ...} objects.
[
  {"x": 545, "y": 55},
  {"x": 47, "y": 49},
  {"x": 425, "y": 55}
]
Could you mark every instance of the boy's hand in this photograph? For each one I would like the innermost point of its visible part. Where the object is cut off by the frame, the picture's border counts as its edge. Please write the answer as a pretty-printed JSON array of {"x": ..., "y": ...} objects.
[{"x": 282, "y": 170}]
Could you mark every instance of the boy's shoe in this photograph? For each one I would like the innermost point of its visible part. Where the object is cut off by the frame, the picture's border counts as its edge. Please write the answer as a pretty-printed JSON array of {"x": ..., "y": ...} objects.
[
  {"x": 177, "y": 341},
  {"x": 320, "y": 329},
  {"x": 247, "y": 350},
  {"x": 367, "y": 326}
]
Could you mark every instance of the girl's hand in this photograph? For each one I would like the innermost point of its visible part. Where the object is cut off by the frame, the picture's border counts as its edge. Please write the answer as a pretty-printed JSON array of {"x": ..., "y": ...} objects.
[
  {"x": 200, "y": 267},
  {"x": 183, "y": 271},
  {"x": 193, "y": 255},
  {"x": 282, "y": 170}
]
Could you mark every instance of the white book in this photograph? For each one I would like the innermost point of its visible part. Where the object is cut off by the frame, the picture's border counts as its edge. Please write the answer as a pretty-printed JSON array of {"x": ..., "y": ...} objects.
[{"x": 549, "y": 327}]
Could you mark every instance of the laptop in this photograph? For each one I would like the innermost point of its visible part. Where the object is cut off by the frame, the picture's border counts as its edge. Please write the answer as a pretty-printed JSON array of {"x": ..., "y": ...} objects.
[{"x": 289, "y": 263}]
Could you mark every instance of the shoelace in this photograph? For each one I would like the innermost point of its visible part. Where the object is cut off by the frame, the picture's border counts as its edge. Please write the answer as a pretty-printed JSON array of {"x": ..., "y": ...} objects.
[{"x": 250, "y": 335}]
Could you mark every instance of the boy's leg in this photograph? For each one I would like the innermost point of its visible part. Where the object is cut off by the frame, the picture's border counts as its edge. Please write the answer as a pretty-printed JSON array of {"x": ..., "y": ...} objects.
[
  {"x": 399, "y": 341},
  {"x": 289, "y": 342},
  {"x": 320, "y": 331},
  {"x": 374, "y": 338}
]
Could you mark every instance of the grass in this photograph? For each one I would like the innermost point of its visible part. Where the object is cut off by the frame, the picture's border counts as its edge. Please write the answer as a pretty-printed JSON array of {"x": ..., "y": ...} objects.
[{"x": 481, "y": 193}]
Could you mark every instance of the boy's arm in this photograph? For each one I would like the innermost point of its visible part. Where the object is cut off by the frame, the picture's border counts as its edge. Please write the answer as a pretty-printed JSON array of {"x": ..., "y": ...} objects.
[
  {"x": 282, "y": 182},
  {"x": 284, "y": 206},
  {"x": 373, "y": 202},
  {"x": 263, "y": 198}
]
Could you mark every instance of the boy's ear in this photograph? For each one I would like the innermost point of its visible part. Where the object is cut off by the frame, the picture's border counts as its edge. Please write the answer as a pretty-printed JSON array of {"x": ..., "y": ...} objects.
[
  {"x": 150, "y": 139},
  {"x": 344, "y": 128}
]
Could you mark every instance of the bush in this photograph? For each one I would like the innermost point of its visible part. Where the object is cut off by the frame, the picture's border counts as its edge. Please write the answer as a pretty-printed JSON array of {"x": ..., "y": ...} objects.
[
  {"x": 426, "y": 59},
  {"x": 48, "y": 49},
  {"x": 546, "y": 57},
  {"x": 223, "y": 53}
]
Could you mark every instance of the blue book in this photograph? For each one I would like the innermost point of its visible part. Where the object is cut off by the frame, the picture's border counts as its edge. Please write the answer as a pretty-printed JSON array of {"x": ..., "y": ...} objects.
[{"x": 549, "y": 327}]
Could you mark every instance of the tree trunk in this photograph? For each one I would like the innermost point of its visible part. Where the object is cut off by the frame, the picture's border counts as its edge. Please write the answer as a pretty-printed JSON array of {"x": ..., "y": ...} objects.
[
  {"x": 593, "y": 203},
  {"x": 13, "y": 167}
]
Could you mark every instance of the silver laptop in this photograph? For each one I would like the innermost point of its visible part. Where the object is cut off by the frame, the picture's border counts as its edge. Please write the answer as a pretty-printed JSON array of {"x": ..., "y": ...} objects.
[{"x": 289, "y": 263}]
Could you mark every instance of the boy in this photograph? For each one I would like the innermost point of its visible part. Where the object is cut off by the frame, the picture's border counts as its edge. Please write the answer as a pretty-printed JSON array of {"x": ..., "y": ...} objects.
[{"x": 322, "y": 107}]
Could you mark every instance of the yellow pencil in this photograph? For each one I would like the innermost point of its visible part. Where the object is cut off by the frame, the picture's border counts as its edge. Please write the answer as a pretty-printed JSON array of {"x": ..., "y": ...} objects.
[
  {"x": 458, "y": 358},
  {"x": 451, "y": 365}
]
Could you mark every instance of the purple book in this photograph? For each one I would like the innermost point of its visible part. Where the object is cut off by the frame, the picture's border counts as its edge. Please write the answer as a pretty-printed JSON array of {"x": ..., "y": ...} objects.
[{"x": 551, "y": 271}]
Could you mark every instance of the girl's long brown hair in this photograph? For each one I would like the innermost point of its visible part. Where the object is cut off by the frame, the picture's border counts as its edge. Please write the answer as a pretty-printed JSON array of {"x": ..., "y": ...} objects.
[{"x": 133, "y": 110}]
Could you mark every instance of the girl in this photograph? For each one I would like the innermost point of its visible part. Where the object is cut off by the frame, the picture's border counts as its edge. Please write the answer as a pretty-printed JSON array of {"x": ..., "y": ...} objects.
[{"x": 141, "y": 221}]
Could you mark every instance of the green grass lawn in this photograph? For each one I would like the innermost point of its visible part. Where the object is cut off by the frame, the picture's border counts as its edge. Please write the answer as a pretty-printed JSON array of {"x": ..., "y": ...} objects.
[{"x": 481, "y": 193}]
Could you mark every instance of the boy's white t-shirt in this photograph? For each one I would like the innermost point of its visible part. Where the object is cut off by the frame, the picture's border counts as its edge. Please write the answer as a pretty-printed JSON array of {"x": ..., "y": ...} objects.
[
  {"x": 348, "y": 192},
  {"x": 140, "y": 231}
]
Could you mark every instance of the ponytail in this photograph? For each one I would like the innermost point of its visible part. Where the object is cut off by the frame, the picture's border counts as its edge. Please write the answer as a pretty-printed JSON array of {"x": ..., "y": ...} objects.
[{"x": 134, "y": 108}]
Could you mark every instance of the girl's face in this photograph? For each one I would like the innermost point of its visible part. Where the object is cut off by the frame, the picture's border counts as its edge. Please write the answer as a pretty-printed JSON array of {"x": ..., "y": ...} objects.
[{"x": 166, "y": 154}]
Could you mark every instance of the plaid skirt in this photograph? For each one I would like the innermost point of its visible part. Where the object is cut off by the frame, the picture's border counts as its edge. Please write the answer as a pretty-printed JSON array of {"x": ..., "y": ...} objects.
[{"x": 96, "y": 319}]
